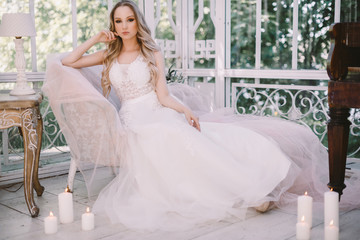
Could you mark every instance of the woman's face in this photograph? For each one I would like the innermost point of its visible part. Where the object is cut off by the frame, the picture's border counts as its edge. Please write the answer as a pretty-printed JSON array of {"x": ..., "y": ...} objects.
[{"x": 125, "y": 22}]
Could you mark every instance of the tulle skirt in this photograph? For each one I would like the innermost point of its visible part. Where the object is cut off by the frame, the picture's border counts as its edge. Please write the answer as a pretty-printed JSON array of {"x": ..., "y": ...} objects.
[
  {"x": 170, "y": 175},
  {"x": 174, "y": 177}
]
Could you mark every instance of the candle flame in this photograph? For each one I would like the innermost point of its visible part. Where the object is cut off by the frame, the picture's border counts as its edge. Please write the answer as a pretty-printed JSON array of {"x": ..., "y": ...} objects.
[
  {"x": 67, "y": 189},
  {"x": 331, "y": 189},
  {"x": 51, "y": 214},
  {"x": 306, "y": 194},
  {"x": 303, "y": 219},
  {"x": 87, "y": 209},
  {"x": 331, "y": 222}
]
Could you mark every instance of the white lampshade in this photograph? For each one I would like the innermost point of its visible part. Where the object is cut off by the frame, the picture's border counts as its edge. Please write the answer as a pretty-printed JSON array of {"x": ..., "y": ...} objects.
[{"x": 17, "y": 25}]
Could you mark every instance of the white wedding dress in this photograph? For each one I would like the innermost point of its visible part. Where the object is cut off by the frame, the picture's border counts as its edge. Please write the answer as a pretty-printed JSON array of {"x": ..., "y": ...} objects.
[
  {"x": 175, "y": 176},
  {"x": 170, "y": 175}
]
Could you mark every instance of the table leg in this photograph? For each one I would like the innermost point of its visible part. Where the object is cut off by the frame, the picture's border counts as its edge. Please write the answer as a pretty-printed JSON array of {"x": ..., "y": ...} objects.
[
  {"x": 338, "y": 136},
  {"x": 39, "y": 129},
  {"x": 31, "y": 139}
]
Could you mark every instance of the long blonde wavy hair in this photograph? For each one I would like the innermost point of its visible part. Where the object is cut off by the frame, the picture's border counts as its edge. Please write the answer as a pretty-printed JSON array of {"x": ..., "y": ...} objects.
[{"x": 146, "y": 43}]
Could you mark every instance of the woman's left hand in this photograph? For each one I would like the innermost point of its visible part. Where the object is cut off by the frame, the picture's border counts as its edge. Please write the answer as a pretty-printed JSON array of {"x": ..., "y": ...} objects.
[{"x": 193, "y": 121}]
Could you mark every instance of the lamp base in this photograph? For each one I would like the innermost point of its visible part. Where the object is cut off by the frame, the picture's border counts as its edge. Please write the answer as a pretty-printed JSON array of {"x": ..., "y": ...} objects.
[
  {"x": 22, "y": 90},
  {"x": 21, "y": 87}
]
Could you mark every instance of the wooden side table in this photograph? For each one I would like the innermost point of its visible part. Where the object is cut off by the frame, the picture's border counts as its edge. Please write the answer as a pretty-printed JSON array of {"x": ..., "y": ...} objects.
[{"x": 24, "y": 113}]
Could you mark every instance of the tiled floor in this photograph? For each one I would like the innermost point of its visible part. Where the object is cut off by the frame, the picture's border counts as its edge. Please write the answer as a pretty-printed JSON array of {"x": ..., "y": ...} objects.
[{"x": 15, "y": 222}]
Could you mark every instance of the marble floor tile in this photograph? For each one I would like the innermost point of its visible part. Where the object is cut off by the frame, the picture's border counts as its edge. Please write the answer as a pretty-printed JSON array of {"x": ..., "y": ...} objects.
[
  {"x": 16, "y": 223},
  {"x": 271, "y": 225}
]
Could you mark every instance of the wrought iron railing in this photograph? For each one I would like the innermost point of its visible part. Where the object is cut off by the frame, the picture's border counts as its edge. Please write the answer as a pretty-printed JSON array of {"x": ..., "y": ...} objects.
[{"x": 306, "y": 105}]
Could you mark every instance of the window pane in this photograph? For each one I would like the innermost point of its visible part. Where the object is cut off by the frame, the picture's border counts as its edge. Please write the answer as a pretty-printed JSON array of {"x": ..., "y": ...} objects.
[
  {"x": 276, "y": 34},
  {"x": 243, "y": 29},
  {"x": 53, "y": 29},
  {"x": 92, "y": 17},
  {"x": 315, "y": 18},
  {"x": 165, "y": 34},
  {"x": 350, "y": 11},
  {"x": 204, "y": 38}
]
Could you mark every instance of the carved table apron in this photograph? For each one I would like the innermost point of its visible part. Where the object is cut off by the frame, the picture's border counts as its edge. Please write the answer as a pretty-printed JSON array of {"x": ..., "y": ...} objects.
[{"x": 23, "y": 112}]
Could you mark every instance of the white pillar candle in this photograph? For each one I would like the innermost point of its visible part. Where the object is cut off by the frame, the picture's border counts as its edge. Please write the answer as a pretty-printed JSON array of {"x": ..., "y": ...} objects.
[
  {"x": 302, "y": 230},
  {"x": 331, "y": 208},
  {"x": 50, "y": 224},
  {"x": 305, "y": 208},
  {"x": 331, "y": 232},
  {"x": 66, "y": 209},
  {"x": 87, "y": 220}
]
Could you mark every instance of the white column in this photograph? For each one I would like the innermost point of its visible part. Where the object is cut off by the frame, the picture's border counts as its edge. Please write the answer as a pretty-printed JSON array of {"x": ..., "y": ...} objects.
[
  {"x": 184, "y": 35},
  {"x": 157, "y": 15},
  {"x": 258, "y": 35},
  {"x": 33, "y": 39},
  {"x": 110, "y": 6},
  {"x": 337, "y": 10},
  {"x": 74, "y": 23},
  {"x": 295, "y": 35},
  {"x": 227, "y": 50},
  {"x": 149, "y": 16},
  {"x": 191, "y": 35},
  {"x": 220, "y": 53},
  {"x": 178, "y": 35},
  {"x": 258, "y": 38},
  {"x": 141, "y": 6}
]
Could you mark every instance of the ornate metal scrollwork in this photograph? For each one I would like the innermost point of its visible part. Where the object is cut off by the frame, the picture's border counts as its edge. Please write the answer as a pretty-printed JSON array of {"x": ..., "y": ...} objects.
[{"x": 305, "y": 105}]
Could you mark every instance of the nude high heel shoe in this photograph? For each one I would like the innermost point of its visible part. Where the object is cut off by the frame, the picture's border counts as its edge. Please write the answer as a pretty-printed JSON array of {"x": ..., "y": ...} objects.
[{"x": 263, "y": 207}]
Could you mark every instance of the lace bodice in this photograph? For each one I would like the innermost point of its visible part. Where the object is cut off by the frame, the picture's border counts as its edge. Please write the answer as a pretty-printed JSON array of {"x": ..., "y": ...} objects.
[{"x": 131, "y": 80}]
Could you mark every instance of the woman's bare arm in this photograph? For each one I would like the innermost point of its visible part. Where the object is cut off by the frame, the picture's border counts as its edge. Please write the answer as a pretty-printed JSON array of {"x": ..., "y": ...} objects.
[
  {"x": 166, "y": 99},
  {"x": 76, "y": 58}
]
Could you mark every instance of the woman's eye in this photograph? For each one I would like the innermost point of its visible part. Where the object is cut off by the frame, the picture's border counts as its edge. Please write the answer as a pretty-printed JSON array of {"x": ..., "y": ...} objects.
[
  {"x": 131, "y": 20},
  {"x": 118, "y": 21}
]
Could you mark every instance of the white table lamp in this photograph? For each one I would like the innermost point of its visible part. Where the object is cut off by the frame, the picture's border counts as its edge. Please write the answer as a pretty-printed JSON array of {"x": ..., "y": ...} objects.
[{"x": 19, "y": 25}]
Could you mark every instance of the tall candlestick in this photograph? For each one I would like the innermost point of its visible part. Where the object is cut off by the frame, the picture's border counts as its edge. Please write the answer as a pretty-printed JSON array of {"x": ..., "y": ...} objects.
[
  {"x": 87, "y": 220},
  {"x": 331, "y": 232},
  {"x": 331, "y": 208},
  {"x": 50, "y": 224},
  {"x": 305, "y": 208},
  {"x": 302, "y": 230},
  {"x": 66, "y": 209}
]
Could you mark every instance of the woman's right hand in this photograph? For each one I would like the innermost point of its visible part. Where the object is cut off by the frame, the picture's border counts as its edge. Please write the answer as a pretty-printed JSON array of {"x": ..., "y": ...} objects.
[
  {"x": 106, "y": 36},
  {"x": 193, "y": 121},
  {"x": 76, "y": 58}
]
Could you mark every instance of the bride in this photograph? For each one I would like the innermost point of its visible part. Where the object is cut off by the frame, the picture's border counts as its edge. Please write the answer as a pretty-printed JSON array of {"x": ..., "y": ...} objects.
[{"x": 176, "y": 171}]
